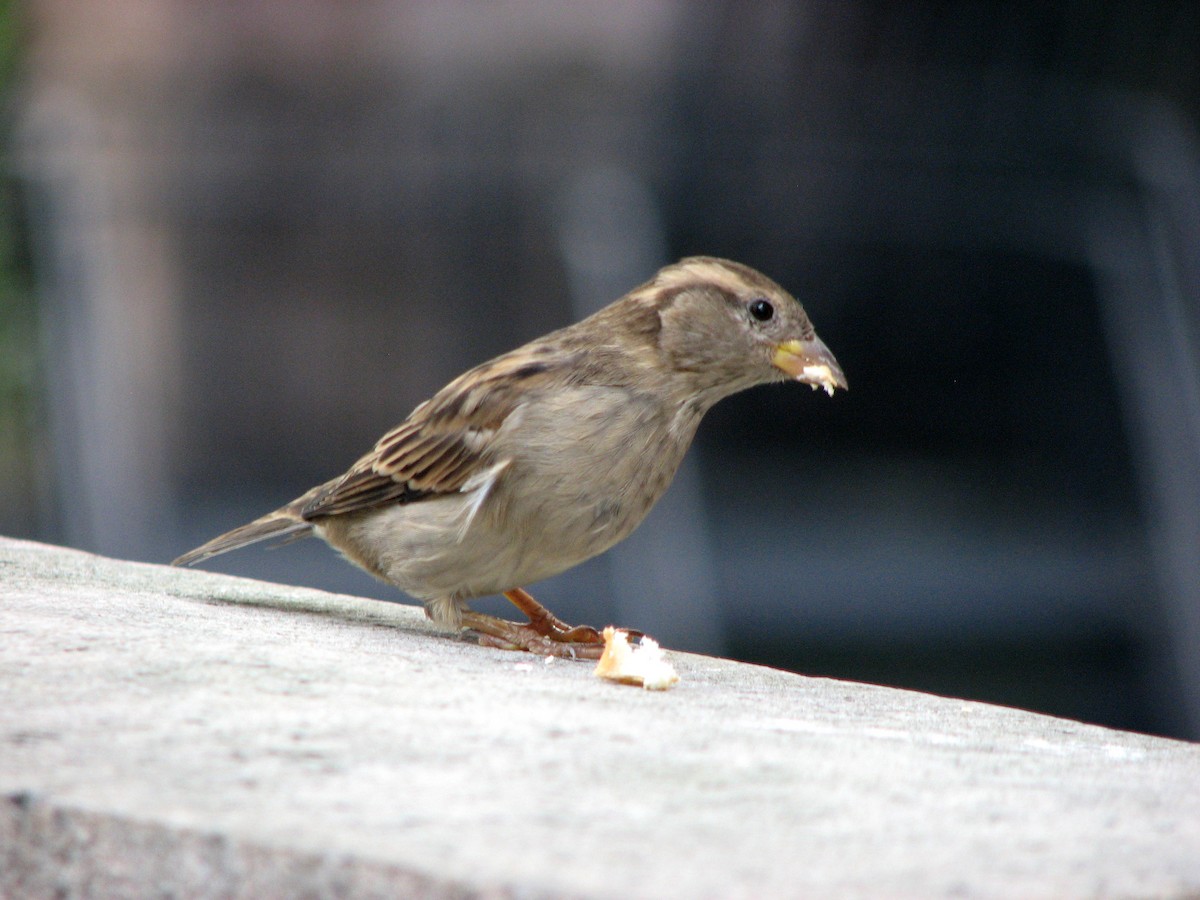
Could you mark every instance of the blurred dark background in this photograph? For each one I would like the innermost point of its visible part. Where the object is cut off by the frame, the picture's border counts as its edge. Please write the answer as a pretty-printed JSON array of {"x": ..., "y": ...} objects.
[{"x": 240, "y": 241}]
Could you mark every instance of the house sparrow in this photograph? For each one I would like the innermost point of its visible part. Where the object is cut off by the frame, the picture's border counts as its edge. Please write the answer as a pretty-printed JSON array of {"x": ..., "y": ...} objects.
[{"x": 535, "y": 461}]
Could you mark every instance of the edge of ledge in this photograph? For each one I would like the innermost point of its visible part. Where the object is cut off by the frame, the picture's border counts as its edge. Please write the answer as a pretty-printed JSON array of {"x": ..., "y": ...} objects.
[{"x": 157, "y": 723}]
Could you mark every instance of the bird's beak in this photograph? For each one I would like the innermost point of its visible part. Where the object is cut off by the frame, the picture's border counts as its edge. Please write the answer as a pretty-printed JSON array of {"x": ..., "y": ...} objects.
[{"x": 811, "y": 363}]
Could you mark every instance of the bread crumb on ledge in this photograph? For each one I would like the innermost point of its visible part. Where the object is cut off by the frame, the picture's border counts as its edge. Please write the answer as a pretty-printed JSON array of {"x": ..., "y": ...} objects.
[{"x": 644, "y": 665}]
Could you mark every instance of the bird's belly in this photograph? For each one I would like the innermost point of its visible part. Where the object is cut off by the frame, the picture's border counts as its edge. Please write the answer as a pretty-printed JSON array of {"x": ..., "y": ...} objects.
[
  {"x": 556, "y": 504},
  {"x": 420, "y": 548}
]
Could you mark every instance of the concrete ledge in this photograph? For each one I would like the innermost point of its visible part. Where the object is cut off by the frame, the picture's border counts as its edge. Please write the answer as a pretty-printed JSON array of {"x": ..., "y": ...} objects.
[{"x": 167, "y": 732}]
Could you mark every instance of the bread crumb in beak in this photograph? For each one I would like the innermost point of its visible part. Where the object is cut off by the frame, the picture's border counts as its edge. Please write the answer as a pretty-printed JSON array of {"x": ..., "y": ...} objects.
[{"x": 820, "y": 376}]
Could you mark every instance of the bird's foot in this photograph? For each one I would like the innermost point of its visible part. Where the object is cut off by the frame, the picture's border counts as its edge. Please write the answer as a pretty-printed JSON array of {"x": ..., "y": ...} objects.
[
  {"x": 545, "y": 633},
  {"x": 505, "y": 635}
]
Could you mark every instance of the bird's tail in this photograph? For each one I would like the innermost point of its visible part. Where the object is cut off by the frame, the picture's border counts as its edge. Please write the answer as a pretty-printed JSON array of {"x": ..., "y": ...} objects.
[{"x": 284, "y": 522}]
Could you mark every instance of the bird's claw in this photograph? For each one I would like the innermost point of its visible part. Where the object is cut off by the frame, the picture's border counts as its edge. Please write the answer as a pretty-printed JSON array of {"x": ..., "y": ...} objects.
[{"x": 522, "y": 637}]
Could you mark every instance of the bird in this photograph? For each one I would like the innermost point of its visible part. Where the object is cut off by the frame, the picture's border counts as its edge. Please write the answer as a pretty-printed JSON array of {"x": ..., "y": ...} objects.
[{"x": 545, "y": 456}]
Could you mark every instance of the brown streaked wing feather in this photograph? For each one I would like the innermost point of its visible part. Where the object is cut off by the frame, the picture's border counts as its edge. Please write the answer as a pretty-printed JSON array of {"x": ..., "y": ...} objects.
[
  {"x": 443, "y": 443},
  {"x": 361, "y": 489}
]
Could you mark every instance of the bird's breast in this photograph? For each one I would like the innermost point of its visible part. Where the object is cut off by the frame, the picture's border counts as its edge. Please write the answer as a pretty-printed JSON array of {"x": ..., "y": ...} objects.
[{"x": 588, "y": 464}]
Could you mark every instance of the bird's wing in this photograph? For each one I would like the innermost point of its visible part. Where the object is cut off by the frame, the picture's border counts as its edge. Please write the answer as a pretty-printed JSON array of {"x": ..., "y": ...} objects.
[{"x": 445, "y": 442}]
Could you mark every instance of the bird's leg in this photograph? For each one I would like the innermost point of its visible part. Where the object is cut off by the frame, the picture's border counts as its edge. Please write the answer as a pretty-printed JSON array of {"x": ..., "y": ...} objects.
[
  {"x": 506, "y": 635},
  {"x": 547, "y": 623},
  {"x": 545, "y": 633}
]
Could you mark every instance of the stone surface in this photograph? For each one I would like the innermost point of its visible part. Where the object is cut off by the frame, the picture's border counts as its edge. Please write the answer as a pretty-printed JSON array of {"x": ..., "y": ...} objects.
[{"x": 170, "y": 732}]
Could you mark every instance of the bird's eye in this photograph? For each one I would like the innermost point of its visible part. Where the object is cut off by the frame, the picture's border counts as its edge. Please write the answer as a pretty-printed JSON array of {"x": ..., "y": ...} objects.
[{"x": 762, "y": 310}]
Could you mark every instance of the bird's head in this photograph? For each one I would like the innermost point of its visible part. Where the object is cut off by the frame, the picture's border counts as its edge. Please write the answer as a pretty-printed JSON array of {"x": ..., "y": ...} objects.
[{"x": 730, "y": 327}]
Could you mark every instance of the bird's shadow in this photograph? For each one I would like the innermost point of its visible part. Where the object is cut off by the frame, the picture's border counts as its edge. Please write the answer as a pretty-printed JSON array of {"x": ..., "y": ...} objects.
[{"x": 405, "y": 617}]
